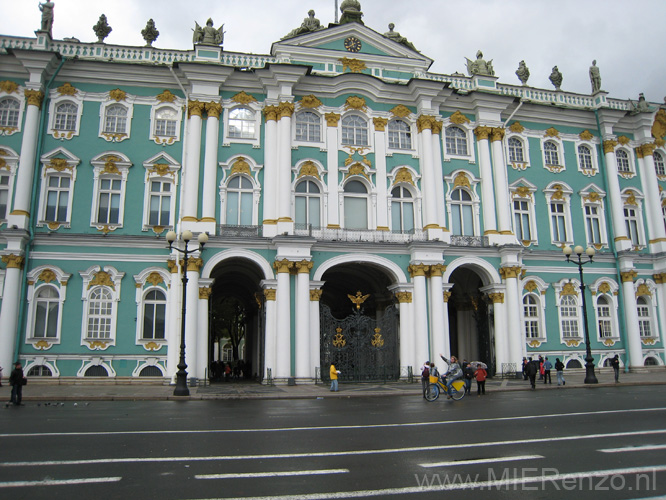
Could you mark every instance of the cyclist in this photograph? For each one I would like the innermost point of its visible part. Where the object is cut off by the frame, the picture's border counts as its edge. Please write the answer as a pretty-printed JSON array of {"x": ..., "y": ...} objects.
[{"x": 453, "y": 374}]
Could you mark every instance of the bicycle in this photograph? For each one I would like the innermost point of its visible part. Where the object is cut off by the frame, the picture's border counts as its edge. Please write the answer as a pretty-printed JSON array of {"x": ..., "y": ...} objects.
[{"x": 439, "y": 385}]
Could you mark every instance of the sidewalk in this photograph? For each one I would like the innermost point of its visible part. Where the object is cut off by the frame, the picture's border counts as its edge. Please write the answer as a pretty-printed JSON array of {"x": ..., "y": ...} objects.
[{"x": 111, "y": 390}]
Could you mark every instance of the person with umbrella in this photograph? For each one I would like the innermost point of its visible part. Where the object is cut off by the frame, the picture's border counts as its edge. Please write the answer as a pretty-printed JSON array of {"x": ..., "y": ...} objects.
[{"x": 480, "y": 373}]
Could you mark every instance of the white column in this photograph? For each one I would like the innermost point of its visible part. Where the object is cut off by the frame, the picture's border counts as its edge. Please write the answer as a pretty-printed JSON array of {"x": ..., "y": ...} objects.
[
  {"x": 283, "y": 319},
  {"x": 446, "y": 330},
  {"x": 192, "y": 317},
  {"x": 513, "y": 327},
  {"x": 501, "y": 183},
  {"x": 438, "y": 169},
  {"x": 192, "y": 160},
  {"x": 269, "y": 191},
  {"x": 9, "y": 311},
  {"x": 436, "y": 297},
  {"x": 660, "y": 280},
  {"x": 332, "y": 120},
  {"x": 209, "y": 193},
  {"x": 428, "y": 181},
  {"x": 20, "y": 215},
  {"x": 502, "y": 332},
  {"x": 270, "y": 341},
  {"x": 302, "y": 319},
  {"x": 175, "y": 301},
  {"x": 407, "y": 356},
  {"x": 380, "y": 174},
  {"x": 420, "y": 308},
  {"x": 203, "y": 344},
  {"x": 486, "y": 171},
  {"x": 650, "y": 184},
  {"x": 634, "y": 345},
  {"x": 315, "y": 327},
  {"x": 622, "y": 242},
  {"x": 286, "y": 109}
]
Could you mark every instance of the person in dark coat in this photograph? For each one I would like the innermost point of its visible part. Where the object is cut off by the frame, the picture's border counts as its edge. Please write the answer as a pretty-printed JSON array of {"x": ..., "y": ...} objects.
[
  {"x": 531, "y": 369},
  {"x": 17, "y": 381},
  {"x": 615, "y": 363}
]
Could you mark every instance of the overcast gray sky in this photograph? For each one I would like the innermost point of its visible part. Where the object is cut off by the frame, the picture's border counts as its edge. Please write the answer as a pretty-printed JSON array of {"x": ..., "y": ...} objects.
[{"x": 626, "y": 38}]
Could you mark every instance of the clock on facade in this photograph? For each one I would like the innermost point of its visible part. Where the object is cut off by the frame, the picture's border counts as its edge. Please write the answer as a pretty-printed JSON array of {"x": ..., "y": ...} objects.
[{"x": 352, "y": 44}]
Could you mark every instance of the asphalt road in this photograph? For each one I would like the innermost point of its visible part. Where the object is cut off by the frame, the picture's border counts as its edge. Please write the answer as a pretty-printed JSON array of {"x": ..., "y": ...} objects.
[{"x": 604, "y": 442}]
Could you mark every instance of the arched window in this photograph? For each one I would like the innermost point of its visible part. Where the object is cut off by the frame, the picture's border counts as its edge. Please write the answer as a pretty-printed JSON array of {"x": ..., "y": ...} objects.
[
  {"x": 115, "y": 119},
  {"x": 154, "y": 315},
  {"x": 241, "y": 123},
  {"x": 150, "y": 371},
  {"x": 39, "y": 371},
  {"x": 354, "y": 131},
  {"x": 531, "y": 317},
  {"x": 9, "y": 112},
  {"x": 651, "y": 361},
  {"x": 399, "y": 135},
  {"x": 585, "y": 157},
  {"x": 308, "y": 203},
  {"x": 239, "y": 201},
  {"x": 604, "y": 318},
  {"x": 356, "y": 205},
  {"x": 644, "y": 317},
  {"x": 100, "y": 310},
  {"x": 402, "y": 209},
  {"x": 622, "y": 161},
  {"x": 516, "y": 151},
  {"x": 96, "y": 371},
  {"x": 462, "y": 213},
  {"x": 47, "y": 310},
  {"x": 551, "y": 153},
  {"x": 569, "y": 316},
  {"x": 166, "y": 120},
  {"x": 456, "y": 141},
  {"x": 308, "y": 127},
  {"x": 659, "y": 165},
  {"x": 65, "y": 116}
]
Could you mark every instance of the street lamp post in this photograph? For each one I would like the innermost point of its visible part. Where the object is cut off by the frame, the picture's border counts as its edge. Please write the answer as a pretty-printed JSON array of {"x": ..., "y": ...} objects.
[
  {"x": 181, "y": 376},
  {"x": 590, "y": 377}
]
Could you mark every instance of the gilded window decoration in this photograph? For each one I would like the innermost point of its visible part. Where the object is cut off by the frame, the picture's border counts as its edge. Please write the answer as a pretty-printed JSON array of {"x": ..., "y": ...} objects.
[
  {"x": 353, "y": 65},
  {"x": 243, "y": 98},
  {"x": 458, "y": 118},
  {"x": 165, "y": 96},
  {"x": 310, "y": 101}
]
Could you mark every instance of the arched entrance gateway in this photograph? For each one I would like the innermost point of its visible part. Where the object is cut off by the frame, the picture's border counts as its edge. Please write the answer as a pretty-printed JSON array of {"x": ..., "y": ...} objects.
[
  {"x": 359, "y": 323},
  {"x": 236, "y": 320}
]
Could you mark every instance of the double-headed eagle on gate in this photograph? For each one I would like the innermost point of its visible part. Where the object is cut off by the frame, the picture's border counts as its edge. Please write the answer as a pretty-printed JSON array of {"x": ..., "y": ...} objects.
[{"x": 358, "y": 299}]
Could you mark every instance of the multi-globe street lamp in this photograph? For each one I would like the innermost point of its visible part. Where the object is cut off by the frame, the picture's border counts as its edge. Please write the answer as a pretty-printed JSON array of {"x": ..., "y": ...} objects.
[
  {"x": 181, "y": 376},
  {"x": 590, "y": 377}
]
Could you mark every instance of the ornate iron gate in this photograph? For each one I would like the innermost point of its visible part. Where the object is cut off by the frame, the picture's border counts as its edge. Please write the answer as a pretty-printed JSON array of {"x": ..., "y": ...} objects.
[{"x": 363, "y": 349}]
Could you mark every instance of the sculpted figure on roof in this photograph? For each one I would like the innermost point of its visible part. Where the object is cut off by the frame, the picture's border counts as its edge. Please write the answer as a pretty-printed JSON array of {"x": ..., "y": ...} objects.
[
  {"x": 208, "y": 35},
  {"x": 47, "y": 16},
  {"x": 556, "y": 78},
  {"x": 480, "y": 66},
  {"x": 310, "y": 23},
  {"x": 595, "y": 77},
  {"x": 523, "y": 72},
  {"x": 351, "y": 12},
  {"x": 396, "y": 37}
]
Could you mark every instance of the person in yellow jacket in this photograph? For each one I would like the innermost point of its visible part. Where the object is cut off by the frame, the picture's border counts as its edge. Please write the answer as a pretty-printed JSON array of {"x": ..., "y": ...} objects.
[{"x": 334, "y": 378}]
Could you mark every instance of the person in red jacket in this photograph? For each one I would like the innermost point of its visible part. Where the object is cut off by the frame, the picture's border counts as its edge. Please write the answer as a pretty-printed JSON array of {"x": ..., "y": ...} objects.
[{"x": 480, "y": 374}]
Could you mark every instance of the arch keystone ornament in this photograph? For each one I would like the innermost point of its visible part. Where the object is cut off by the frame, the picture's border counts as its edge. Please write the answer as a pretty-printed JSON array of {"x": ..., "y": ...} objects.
[
  {"x": 243, "y": 98},
  {"x": 310, "y": 101},
  {"x": 310, "y": 169},
  {"x": 355, "y": 103},
  {"x": 458, "y": 118},
  {"x": 166, "y": 96}
]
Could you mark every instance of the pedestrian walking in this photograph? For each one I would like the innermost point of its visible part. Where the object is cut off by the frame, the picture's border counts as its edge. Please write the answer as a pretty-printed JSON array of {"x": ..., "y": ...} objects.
[
  {"x": 468, "y": 373},
  {"x": 334, "y": 378},
  {"x": 480, "y": 374},
  {"x": 17, "y": 381},
  {"x": 547, "y": 366},
  {"x": 540, "y": 367},
  {"x": 531, "y": 370},
  {"x": 425, "y": 377},
  {"x": 0, "y": 376},
  {"x": 559, "y": 369},
  {"x": 524, "y": 368},
  {"x": 615, "y": 363}
]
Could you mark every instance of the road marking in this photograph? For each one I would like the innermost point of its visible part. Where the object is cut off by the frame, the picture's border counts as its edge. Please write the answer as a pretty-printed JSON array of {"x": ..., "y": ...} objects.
[
  {"x": 245, "y": 475},
  {"x": 510, "y": 484},
  {"x": 482, "y": 461},
  {"x": 647, "y": 447},
  {"x": 332, "y": 427},
  {"x": 59, "y": 482},
  {"x": 412, "y": 449}
]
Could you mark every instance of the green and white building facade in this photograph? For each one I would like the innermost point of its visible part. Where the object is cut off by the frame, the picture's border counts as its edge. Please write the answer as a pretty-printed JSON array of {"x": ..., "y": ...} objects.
[{"x": 359, "y": 209}]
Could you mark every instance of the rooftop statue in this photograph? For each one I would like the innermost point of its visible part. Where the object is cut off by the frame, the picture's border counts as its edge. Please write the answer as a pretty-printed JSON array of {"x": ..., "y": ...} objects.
[
  {"x": 396, "y": 37},
  {"x": 480, "y": 66},
  {"x": 46, "y": 9},
  {"x": 150, "y": 33},
  {"x": 556, "y": 78},
  {"x": 102, "y": 29},
  {"x": 208, "y": 35},
  {"x": 595, "y": 77},
  {"x": 351, "y": 12},
  {"x": 523, "y": 72},
  {"x": 310, "y": 23},
  {"x": 641, "y": 106}
]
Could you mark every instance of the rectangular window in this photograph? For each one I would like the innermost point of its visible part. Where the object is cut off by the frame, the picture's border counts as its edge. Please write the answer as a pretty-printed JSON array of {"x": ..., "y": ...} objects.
[
  {"x": 593, "y": 224},
  {"x": 160, "y": 204},
  {"x": 521, "y": 211},
  {"x": 605, "y": 325},
  {"x": 57, "y": 198},
  {"x": 108, "y": 208},
  {"x": 644, "y": 328},
  {"x": 46, "y": 320},
  {"x": 631, "y": 220},
  {"x": 558, "y": 221},
  {"x": 4, "y": 195}
]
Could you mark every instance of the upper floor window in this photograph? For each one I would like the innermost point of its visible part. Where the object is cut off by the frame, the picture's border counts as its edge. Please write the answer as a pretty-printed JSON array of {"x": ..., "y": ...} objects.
[
  {"x": 115, "y": 119},
  {"x": 166, "y": 120},
  {"x": 47, "y": 313},
  {"x": 516, "y": 150},
  {"x": 109, "y": 187},
  {"x": 108, "y": 200},
  {"x": 239, "y": 201},
  {"x": 604, "y": 317},
  {"x": 242, "y": 123},
  {"x": 154, "y": 315},
  {"x": 354, "y": 131},
  {"x": 9, "y": 112},
  {"x": 559, "y": 221},
  {"x": 585, "y": 157},
  {"x": 4, "y": 195},
  {"x": 402, "y": 209},
  {"x": 462, "y": 213},
  {"x": 644, "y": 317},
  {"x": 308, "y": 204},
  {"x": 622, "y": 161},
  {"x": 100, "y": 295},
  {"x": 551, "y": 153},
  {"x": 522, "y": 217},
  {"x": 355, "y": 205},
  {"x": 399, "y": 135},
  {"x": 58, "y": 198},
  {"x": 659, "y": 166},
  {"x": 159, "y": 204},
  {"x": 456, "y": 141},
  {"x": 593, "y": 224},
  {"x": 633, "y": 224},
  {"x": 308, "y": 127},
  {"x": 569, "y": 316},
  {"x": 66, "y": 114}
]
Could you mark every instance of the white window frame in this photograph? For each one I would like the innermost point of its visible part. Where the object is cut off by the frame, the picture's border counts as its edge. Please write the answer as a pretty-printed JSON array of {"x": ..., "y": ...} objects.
[
  {"x": 660, "y": 166},
  {"x": 110, "y": 281},
  {"x": 402, "y": 201},
  {"x": 174, "y": 107},
  {"x": 645, "y": 314},
  {"x": 10, "y": 129},
  {"x": 593, "y": 169},
  {"x": 538, "y": 292},
  {"x": 577, "y": 320},
  {"x": 533, "y": 319},
  {"x": 115, "y": 166},
  {"x": 256, "y": 110},
  {"x": 596, "y": 200},
  {"x": 559, "y": 150},
  {"x": 464, "y": 179},
  {"x": 57, "y": 163},
  {"x": 456, "y": 155},
  {"x": 524, "y": 191},
  {"x": 629, "y": 196},
  {"x": 56, "y": 100},
  {"x": 322, "y": 130},
  {"x": 230, "y": 171},
  {"x": 368, "y": 134},
  {"x": 368, "y": 196},
  {"x": 408, "y": 133},
  {"x": 608, "y": 317},
  {"x": 39, "y": 278},
  {"x": 461, "y": 204},
  {"x": 147, "y": 281},
  {"x": 524, "y": 146},
  {"x": 164, "y": 168},
  {"x": 563, "y": 195},
  {"x": 625, "y": 154},
  {"x": 8, "y": 167},
  {"x": 128, "y": 104},
  {"x": 321, "y": 196}
]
